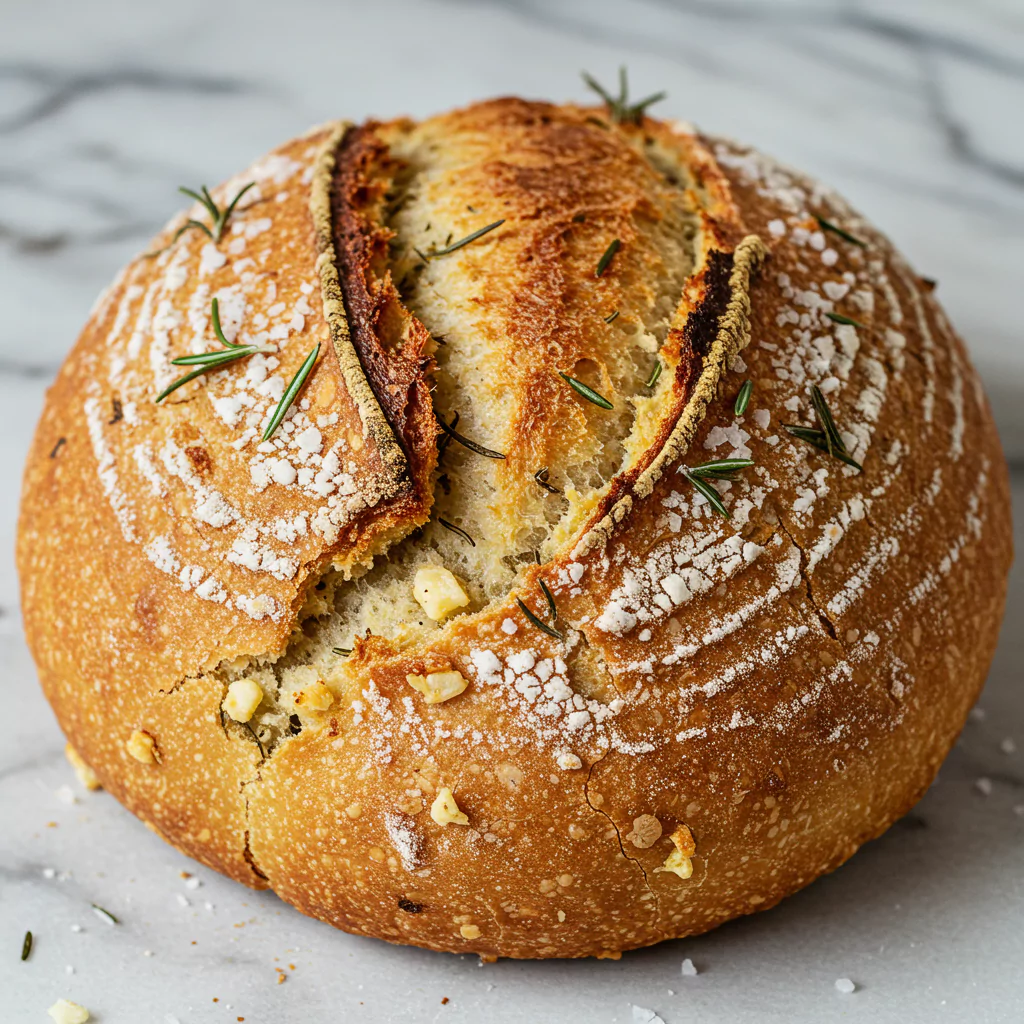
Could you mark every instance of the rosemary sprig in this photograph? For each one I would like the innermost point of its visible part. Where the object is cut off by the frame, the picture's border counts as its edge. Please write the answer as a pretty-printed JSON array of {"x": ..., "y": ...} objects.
[
  {"x": 655, "y": 374},
  {"x": 833, "y": 441},
  {"x": 720, "y": 469},
  {"x": 743, "y": 397},
  {"x": 828, "y": 438},
  {"x": 714, "y": 499},
  {"x": 541, "y": 476},
  {"x": 620, "y": 110},
  {"x": 218, "y": 217},
  {"x": 472, "y": 237},
  {"x": 609, "y": 253},
  {"x": 552, "y": 609},
  {"x": 586, "y": 392},
  {"x": 838, "y": 318},
  {"x": 827, "y": 225},
  {"x": 263, "y": 753},
  {"x": 456, "y": 529},
  {"x": 488, "y": 453},
  {"x": 105, "y": 914},
  {"x": 207, "y": 361},
  {"x": 539, "y": 623},
  {"x": 816, "y": 437},
  {"x": 611, "y": 318},
  {"x": 26, "y": 946},
  {"x": 343, "y": 651},
  {"x": 291, "y": 391}
]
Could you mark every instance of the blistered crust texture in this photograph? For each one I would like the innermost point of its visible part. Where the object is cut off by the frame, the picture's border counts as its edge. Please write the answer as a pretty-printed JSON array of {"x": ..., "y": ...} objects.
[{"x": 735, "y": 706}]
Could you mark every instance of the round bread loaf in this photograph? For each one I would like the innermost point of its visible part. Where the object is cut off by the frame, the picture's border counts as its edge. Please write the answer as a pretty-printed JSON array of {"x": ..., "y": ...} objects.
[{"x": 476, "y": 651}]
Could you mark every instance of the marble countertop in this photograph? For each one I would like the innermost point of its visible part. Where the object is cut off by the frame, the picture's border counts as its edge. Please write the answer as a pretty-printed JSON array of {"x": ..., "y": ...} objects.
[{"x": 911, "y": 109}]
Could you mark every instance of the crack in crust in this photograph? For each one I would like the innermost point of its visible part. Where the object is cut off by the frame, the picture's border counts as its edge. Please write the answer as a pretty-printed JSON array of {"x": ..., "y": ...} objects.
[
  {"x": 394, "y": 464},
  {"x": 732, "y": 337}
]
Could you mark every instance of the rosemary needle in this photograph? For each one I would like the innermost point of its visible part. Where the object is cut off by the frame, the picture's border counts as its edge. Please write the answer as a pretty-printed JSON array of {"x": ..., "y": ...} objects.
[
  {"x": 539, "y": 623},
  {"x": 550, "y": 599},
  {"x": 714, "y": 499},
  {"x": 743, "y": 397},
  {"x": 612, "y": 317},
  {"x": 291, "y": 391},
  {"x": 263, "y": 753},
  {"x": 602, "y": 263},
  {"x": 827, "y": 225},
  {"x": 105, "y": 914},
  {"x": 655, "y": 374},
  {"x": 461, "y": 242},
  {"x": 838, "y": 318},
  {"x": 466, "y": 442},
  {"x": 542, "y": 477},
  {"x": 586, "y": 392},
  {"x": 457, "y": 530},
  {"x": 828, "y": 425},
  {"x": 26, "y": 946},
  {"x": 343, "y": 651},
  {"x": 720, "y": 469}
]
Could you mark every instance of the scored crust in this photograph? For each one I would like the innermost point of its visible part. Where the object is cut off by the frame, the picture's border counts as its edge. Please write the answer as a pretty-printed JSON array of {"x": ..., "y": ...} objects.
[{"x": 779, "y": 686}]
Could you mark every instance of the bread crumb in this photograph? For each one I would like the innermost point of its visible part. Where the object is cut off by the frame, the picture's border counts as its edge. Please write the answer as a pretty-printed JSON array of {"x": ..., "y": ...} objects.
[
  {"x": 86, "y": 776},
  {"x": 646, "y": 831}
]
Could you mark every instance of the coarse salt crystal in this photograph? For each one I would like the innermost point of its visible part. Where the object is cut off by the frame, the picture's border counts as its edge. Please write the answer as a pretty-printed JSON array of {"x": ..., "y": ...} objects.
[
  {"x": 983, "y": 786},
  {"x": 845, "y": 986},
  {"x": 689, "y": 971}
]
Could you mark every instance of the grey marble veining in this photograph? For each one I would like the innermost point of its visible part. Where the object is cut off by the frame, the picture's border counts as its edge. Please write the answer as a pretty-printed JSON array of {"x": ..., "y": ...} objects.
[{"x": 911, "y": 109}]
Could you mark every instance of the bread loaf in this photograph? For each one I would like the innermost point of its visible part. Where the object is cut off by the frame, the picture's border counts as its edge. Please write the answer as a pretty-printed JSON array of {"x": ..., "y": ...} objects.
[{"x": 466, "y": 655}]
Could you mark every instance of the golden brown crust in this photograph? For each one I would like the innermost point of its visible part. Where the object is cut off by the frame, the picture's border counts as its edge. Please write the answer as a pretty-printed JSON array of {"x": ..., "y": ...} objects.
[{"x": 783, "y": 684}]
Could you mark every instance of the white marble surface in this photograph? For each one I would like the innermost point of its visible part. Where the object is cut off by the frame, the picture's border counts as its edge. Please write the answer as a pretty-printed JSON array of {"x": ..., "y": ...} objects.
[{"x": 911, "y": 109}]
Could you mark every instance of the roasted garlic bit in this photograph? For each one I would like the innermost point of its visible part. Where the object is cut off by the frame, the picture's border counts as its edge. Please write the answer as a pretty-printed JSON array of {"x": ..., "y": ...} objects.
[
  {"x": 470, "y": 931},
  {"x": 66, "y": 1012},
  {"x": 142, "y": 747},
  {"x": 445, "y": 811},
  {"x": 305, "y": 690},
  {"x": 242, "y": 700},
  {"x": 678, "y": 861},
  {"x": 646, "y": 831},
  {"x": 86, "y": 776},
  {"x": 438, "y": 591},
  {"x": 438, "y": 687}
]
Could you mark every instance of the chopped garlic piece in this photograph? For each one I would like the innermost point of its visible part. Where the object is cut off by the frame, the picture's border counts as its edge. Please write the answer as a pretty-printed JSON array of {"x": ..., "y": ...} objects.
[
  {"x": 66, "y": 1012},
  {"x": 470, "y": 931},
  {"x": 677, "y": 864},
  {"x": 445, "y": 811},
  {"x": 438, "y": 591},
  {"x": 86, "y": 776},
  {"x": 142, "y": 747},
  {"x": 242, "y": 700},
  {"x": 313, "y": 697},
  {"x": 438, "y": 687}
]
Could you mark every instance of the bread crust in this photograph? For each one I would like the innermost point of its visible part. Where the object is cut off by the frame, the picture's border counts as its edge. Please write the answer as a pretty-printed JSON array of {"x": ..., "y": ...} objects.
[{"x": 784, "y": 684}]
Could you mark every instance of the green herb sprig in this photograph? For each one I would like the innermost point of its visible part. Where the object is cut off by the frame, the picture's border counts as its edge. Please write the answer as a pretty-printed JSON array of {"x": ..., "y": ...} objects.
[
  {"x": 743, "y": 397},
  {"x": 218, "y": 217},
  {"x": 105, "y": 914},
  {"x": 542, "y": 477},
  {"x": 487, "y": 453},
  {"x": 552, "y": 610},
  {"x": 472, "y": 237},
  {"x": 586, "y": 392},
  {"x": 602, "y": 264},
  {"x": 456, "y": 530},
  {"x": 207, "y": 361},
  {"x": 839, "y": 318},
  {"x": 828, "y": 438},
  {"x": 719, "y": 469},
  {"x": 827, "y": 225},
  {"x": 620, "y": 110},
  {"x": 291, "y": 391}
]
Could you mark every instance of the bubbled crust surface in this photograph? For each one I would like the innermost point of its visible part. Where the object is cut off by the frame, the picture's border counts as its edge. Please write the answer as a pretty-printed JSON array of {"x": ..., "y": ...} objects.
[{"x": 784, "y": 683}]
